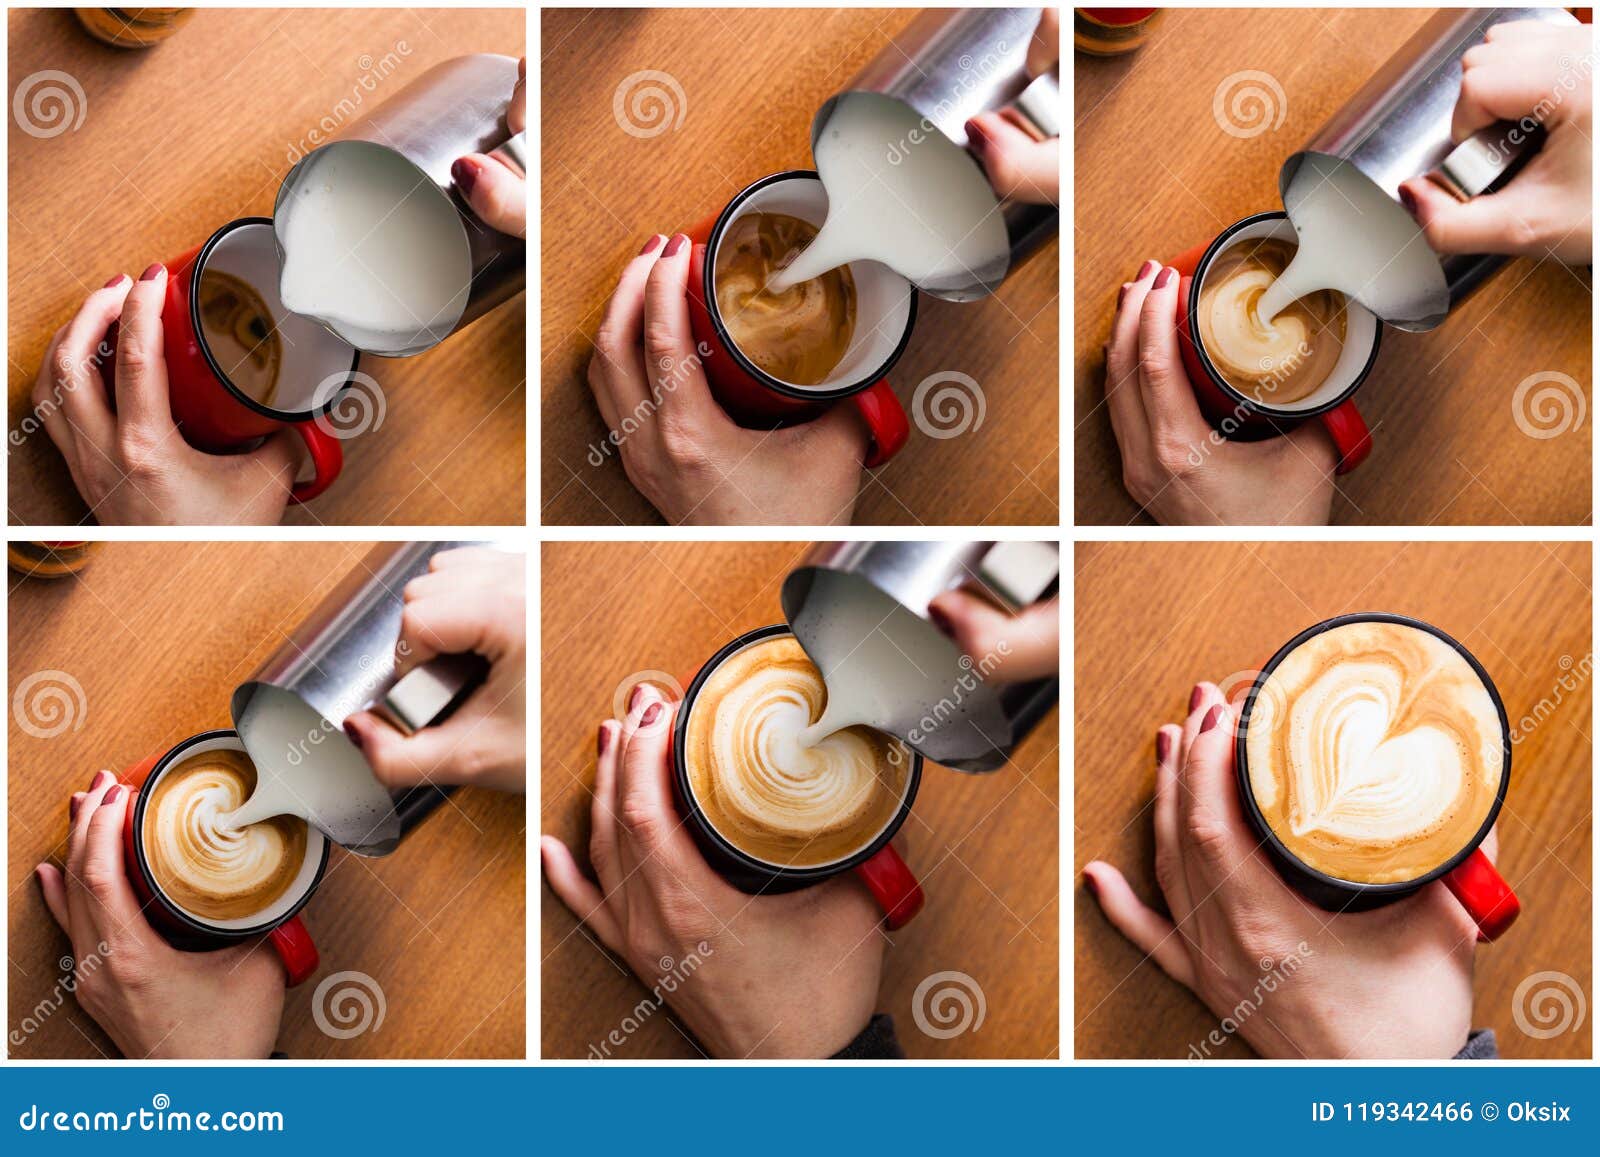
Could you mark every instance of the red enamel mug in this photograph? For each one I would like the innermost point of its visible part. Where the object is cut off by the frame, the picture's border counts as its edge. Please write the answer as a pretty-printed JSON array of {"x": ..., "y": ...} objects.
[
  {"x": 214, "y": 413},
  {"x": 877, "y": 864},
  {"x": 280, "y": 923},
  {"x": 1244, "y": 418},
  {"x": 886, "y": 310}
]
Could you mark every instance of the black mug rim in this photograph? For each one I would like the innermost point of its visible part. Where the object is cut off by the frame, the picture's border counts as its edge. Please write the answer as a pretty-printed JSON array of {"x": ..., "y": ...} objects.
[
  {"x": 709, "y": 291},
  {"x": 1255, "y": 407},
  {"x": 190, "y": 922},
  {"x": 1264, "y": 830},
  {"x": 680, "y": 775},
  {"x": 217, "y": 371}
]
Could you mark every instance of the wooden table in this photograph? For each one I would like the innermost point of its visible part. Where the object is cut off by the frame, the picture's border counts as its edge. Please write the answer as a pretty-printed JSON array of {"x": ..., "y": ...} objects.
[
  {"x": 1154, "y": 618},
  {"x": 984, "y": 846},
  {"x": 180, "y": 139},
  {"x": 751, "y": 81},
  {"x": 158, "y": 635},
  {"x": 1156, "y": 175}
]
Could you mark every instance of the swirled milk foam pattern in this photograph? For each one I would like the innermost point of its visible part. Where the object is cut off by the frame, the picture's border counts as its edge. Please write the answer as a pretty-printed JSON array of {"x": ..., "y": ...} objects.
[
  {"x": 1375, "y": 752},
  {"x": 761, "y": 789},
  {"x": 205, "y": 866}
]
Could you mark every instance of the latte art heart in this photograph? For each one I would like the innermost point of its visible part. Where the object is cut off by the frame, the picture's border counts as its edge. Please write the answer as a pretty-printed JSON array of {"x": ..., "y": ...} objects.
[
  {"x": 201, "y": 864},
  {"x": 1375, "y": 752},
  {"x": 761, "y": 789}
]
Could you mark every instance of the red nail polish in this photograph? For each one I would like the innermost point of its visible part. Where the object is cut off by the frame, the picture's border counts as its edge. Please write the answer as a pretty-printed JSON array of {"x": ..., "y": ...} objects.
[
  {"x": 117, "y": 280},
  {"x": 636, "y": 697},
  {"x": 1121, "y": 293},
  {"x": 652, "y": 245},
  {"x": 1195, "y": 696},
  {"x": 1211, "y": 718},
  {"x": 1146, "y": 270},
  {"x": 675, "y": 246},
  {"x": 153, "y": 272},
  {"x": 977, "y": 139},
  {"x": 1163, "y": 746},
  {"x": 651, "y": 714},
  {"x": 937, "y": 616},
  {"x": 1409, "y": 200},
  {"x": 603, "y": 742},
  {"x": 465, "y": 174},
  {"x": 1094, "y": 889},
  {"x": 355, "y": 736},
  {"x": 73, "y": 805},
  {"x": 114, "y": 794},
  {"x": 1164, "y": 278},
  {"x": 99, "y": 778}
]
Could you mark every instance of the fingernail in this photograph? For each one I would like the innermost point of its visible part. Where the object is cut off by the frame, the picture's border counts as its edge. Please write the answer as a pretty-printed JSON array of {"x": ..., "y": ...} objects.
[
  {"x": 977, "y": 138},
  {"x": 941, "y": 621},
  {"x": 465, "y": 174},
  {"x": 1146, "y": 270},
  {"x": 1094, "y": 888},
  {"x": 354, "y": 734},
  {"x": 1164, "y": 278},
  {"x": 1195, "y": 696},
  {"x": 114, "y": 794},
  {"x": 675, "y": 246},
  {"x": 1211, "y": 718},
  {"x": 636, "y": 697},
  {"x": 1409, "y": 200},
  {"x": 1121, "y": 293},
  {"x": 99, "y": 778},
  {"x": 1163, "y": 746},
  {"x": 153, "y": 272},
  {"x": 117, "y": 280},
  {"x": 73, "y": 805},
  {"x": 652, "y": 245},
  {"x": 651, "y": 714},
  {"x": 603, "y": 743}
]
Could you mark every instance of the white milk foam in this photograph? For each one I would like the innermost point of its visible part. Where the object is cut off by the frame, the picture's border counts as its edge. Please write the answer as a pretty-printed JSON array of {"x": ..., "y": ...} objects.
[
  {"x": 372, "y": 249},
  {"x": 899, "y": 192}
]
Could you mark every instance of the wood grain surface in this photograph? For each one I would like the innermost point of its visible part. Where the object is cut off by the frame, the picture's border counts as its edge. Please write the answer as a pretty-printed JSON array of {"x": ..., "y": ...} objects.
[
  {"x": 178, "y": 140},
  {"x": 158, "y": 635},
  {"x": 751, "y": 81},
  {"x": 985, "y": 846},
  {"x": 1156, "y": 174},
  {"x": 1152, "y": 619}
]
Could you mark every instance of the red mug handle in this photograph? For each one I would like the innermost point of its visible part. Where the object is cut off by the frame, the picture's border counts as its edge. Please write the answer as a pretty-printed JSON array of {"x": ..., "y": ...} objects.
[
  {"x": 1350, "y": 435},
  {"x": 327, "y": 459},
  {"x": 886, "y": 422},
  {"x": 893, "y": 886},
  {"x": 295, "y": 949},
  {"x": 1484, "y": 893}
]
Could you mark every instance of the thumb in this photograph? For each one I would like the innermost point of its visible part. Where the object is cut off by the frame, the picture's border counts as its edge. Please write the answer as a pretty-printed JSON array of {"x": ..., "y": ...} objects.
[
  {"x": 1500, "y": 222},
  {"x": 497, "y": 195}
]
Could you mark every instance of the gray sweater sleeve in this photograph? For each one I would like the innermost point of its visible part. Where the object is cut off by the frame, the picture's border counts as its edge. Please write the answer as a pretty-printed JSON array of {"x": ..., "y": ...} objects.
[
  {"x": 876, "y": 1042},
  {"x": 1480, "y": 1046}
]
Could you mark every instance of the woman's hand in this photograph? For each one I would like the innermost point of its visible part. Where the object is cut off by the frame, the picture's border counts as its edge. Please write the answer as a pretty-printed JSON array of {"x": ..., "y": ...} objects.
[
  {"x": 152, "y": 1000},
  {"x": 131, "y": 465},
  {"x": 1018, "y": 164},
  {"x": 1174, "y": 464},
  {"x": 1392, "y": 983},
  {"x": 679, "y": 448},
  {"x": 471, "y": 600},
  {"x": 791, "y": 976},
  {"x": 497, "y": 192},
  {"x": 1526, "y": 70},
  {"x": 1023, "y": 646}
]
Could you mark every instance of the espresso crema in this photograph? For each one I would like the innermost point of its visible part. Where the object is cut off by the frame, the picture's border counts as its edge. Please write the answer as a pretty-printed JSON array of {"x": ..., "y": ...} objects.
[
  {"x": 1375, "y": 752},
  {"x": 205, "y": 867},
  {"x": 762, "y": 790}
]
